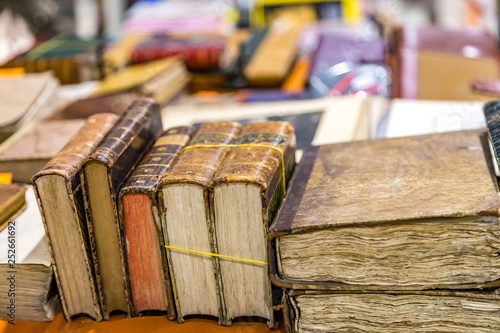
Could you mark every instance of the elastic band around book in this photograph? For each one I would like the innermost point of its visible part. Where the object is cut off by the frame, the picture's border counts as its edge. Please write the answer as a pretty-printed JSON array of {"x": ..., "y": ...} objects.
[
  {"x": 216, "y": 255},
  {"x": 283, "y": 180}
]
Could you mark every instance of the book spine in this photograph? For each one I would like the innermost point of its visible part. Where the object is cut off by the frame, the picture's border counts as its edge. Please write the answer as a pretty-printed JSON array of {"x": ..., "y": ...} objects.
[
  {"x": 125, "y": 144},
  {"x": 197, "y": 166},
  {"x": 144, "y": 180},
  {"x": 261, "y": 166}
]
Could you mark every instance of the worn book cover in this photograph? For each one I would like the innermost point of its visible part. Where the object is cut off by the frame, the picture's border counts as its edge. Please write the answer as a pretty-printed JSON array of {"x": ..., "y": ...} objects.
[
  {"x": 405, "y": 213},
  {"x": 67, "y": 234},
  {"x": 103, "y": 172},
  {"x": 146, "y": 269},
  {"x": 184, "y": 194},
  {"x": 245, "y": 195}
]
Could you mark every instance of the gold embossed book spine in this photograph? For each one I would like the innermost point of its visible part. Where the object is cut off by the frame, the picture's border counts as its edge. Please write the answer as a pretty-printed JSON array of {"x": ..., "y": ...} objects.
[
  {"x": 103, "y": 173},
  {"x": 59, "y": 195},
  {"x": 145, "y": 263}
]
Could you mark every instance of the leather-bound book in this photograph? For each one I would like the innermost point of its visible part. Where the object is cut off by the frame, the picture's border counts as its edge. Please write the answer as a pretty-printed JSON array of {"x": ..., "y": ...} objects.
[
  {"x": 60, "y": 201},
  {"x": 184, "y": 191},
  {"x": 247, "y": 191},
  {"x": 103, "y": 172},
  {"x": 405, "y": 213},
  {"x": 146, "y": 270}
]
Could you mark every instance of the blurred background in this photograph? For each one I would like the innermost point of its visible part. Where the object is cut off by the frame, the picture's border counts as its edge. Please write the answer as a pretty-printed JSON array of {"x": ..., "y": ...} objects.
[{"x": 338, "y": 70}]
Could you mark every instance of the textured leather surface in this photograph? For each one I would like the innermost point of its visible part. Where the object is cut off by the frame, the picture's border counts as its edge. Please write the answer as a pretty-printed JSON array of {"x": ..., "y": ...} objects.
[
  {"x": 392, "y": 180},
  {"x": 197, "y": 166}
]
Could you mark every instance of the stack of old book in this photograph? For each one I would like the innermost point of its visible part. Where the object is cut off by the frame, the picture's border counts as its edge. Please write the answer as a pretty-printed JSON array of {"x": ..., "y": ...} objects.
[
  {"x": 391, "y": 235},
  {"x": 141, "y": 220}
]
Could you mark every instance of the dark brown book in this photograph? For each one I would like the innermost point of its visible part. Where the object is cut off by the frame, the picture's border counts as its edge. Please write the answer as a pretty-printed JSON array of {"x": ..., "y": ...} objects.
[
  {"x": 59, "y": 193},
  {"x": 29, "y": 149},
  {"x": 146, "y": 270},
  {"x": 245, "y": 194},
  {"x": 406, "y": 213},
  {"x": 12, "y": 202},
  {"x": 183, "y": 193},
  {"x": 103, "y": 172}
]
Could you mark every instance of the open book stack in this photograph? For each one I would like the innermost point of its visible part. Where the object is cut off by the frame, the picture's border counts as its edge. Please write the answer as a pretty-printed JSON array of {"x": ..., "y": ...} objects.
[
  {"x": 391, "y": 235},
  {"x": 110, "y": 209}
]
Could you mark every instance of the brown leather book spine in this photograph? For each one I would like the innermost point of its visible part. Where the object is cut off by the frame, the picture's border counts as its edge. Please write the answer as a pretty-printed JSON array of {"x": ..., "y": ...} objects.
[
  {"x": 145, "y": 180},
  {"x": 125, "y": 144},
  {"x": 67, "y": 163},
  {"x": 198, "y": 166},
  {"x": 260, "y": 166}
]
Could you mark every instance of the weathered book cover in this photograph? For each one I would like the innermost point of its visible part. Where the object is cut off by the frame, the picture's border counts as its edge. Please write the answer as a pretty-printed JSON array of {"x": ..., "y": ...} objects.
[
  {"x": 262, "y": 167},
  {"x": 67, "y": 164},
  {"x": 120, "y": 150},
  {"x": 438, "y": 183},
  {"x": 198, "y": 166},
  {"x": 144, "y": 180}
]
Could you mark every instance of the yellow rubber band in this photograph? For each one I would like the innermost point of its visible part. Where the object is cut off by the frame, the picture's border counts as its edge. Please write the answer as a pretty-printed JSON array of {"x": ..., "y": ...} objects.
[
  {"x": 216, "y": 255},
  {"x": 283, "y": 180}
]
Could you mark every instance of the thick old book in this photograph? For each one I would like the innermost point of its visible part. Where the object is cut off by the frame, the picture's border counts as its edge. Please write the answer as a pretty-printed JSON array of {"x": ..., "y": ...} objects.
[
  {"x": 60, "y": 200},
  {"x": 184, "y": 192},
  {"x": 12, "y": 202},
  {"x": 28, "y": 289},
  {"x": 34, "y": 145},
  {"x": 103, "y": 173},
  {"x": 392, "y": 311},
  {"x": 408, "y": 213},
  {"x": 245, "y": 195},
  {"x": 146, "y": 270}
]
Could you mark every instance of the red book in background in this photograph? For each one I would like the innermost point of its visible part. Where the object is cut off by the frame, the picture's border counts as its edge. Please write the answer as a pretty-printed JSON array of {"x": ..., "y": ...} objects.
[{"x": 198, "y": 53}]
